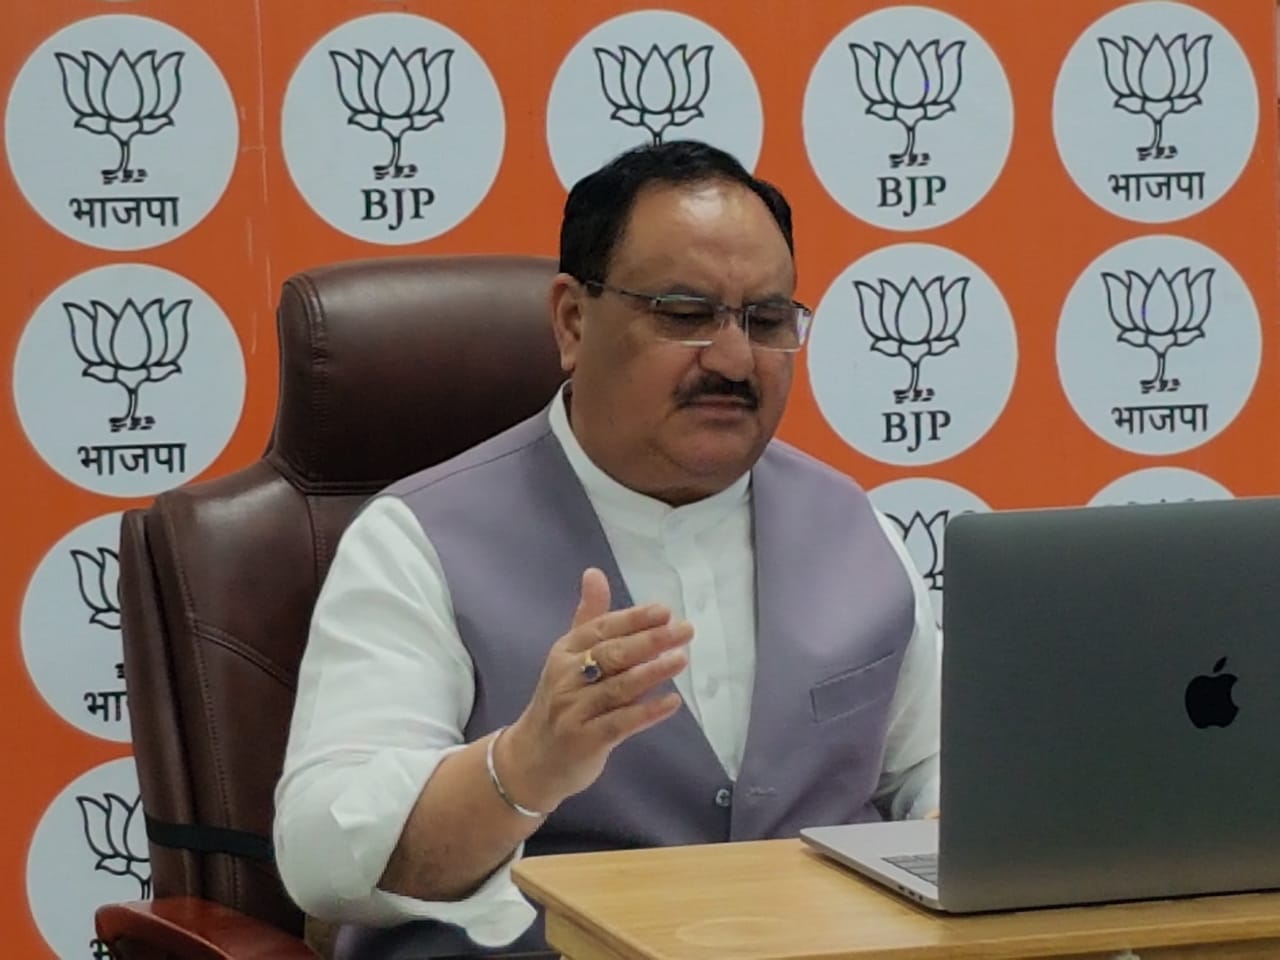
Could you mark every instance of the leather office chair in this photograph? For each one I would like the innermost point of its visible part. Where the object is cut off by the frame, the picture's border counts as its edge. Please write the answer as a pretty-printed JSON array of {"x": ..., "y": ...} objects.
[{"x": 386, "y": 367}]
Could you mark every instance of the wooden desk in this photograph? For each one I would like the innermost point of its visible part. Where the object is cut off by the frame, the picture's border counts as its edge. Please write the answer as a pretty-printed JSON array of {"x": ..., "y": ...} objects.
[{"x": 763, "y": 901}]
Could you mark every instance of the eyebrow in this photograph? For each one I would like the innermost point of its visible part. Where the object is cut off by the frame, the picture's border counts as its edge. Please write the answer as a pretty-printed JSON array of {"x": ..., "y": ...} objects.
[
  {"x": 778, "y": 298},
  {"x": 684, "y": 290}
]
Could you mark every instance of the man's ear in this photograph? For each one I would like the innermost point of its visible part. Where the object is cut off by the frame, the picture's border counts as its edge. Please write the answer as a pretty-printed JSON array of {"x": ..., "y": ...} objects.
[{"x": 566, "y": 318}]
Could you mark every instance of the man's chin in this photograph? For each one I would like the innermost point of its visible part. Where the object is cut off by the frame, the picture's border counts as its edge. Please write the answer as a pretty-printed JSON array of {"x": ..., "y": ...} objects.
[{"x": 722, "y": 447}]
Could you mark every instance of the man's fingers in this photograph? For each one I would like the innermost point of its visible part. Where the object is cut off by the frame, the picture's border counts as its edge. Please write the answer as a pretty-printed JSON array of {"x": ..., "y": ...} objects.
[
  {"x": 586, "y": 633},
  {"x": 621, "y": 690},
  {"x": 595, "y": 597},
  {"x": 617, "y": 725},
  {"x": 619, "y": 654}
]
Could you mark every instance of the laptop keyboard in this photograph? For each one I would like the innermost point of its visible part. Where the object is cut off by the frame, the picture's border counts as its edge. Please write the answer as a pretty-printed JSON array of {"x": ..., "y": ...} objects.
[{"x": 922, "y": 865}]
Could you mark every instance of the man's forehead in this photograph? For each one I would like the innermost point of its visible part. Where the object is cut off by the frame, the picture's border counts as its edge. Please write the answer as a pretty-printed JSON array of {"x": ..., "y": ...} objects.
[
  {"x": 669, "y": 221},
  {"x": 695, "y": 202}
]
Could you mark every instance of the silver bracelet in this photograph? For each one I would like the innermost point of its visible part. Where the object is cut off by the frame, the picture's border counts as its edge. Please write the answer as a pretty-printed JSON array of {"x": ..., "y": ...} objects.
[{"x": 497, "y": 784}]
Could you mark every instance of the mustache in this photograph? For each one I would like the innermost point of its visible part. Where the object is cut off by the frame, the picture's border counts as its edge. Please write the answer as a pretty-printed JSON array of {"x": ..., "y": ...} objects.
[{"x": 718, "y": 386}]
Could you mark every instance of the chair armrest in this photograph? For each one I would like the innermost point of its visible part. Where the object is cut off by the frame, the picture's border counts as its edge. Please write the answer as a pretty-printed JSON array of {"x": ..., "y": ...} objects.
[{"x": 194, "y": 929}]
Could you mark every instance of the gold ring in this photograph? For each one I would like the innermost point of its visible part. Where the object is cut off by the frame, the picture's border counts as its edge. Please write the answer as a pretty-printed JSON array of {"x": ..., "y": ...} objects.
[{"x": 591, "y": 671}]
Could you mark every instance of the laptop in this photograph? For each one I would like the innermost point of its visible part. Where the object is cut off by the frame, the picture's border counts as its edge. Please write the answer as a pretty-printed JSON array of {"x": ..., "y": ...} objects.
[{"x": 1110, "y": 712}]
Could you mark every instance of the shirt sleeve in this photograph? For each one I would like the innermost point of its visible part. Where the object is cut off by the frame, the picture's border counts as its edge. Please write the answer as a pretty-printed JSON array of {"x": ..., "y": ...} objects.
[
  {"x": 908, "y": 787},
  {"x": 385, "y": 688}
]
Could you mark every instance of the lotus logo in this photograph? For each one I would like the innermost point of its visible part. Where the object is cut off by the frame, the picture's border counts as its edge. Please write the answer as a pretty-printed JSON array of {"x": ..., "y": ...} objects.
[
  {"x": 99, "y": 581},
  {"x": 1159, "y": 314},
  {"x": 1156, "y": 81},
  {"x": 122, "y": 99},
  {"x": 662, "y": 90},
  {"x": 130, "y": 347},
  {"x": 908, "y": 86},
  {"x": 913, "y": 322},
  {"x": 923, "y": 537},
  {"x": 393, "y": 96},
  {"x": 117, "y": 834}
]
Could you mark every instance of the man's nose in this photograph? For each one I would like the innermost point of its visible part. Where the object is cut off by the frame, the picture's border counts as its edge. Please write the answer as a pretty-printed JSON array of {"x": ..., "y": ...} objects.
[{"x": 729, "y": 353}]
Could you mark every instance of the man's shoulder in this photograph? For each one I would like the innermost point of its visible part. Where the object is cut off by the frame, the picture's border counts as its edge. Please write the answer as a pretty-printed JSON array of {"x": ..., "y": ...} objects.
[
  {"x": 499, "y": 451},
  {"x": 794, "y": 464}
]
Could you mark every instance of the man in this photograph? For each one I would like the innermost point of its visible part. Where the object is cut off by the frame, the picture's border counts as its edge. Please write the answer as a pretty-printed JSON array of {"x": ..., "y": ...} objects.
[{"x": 634, "y": 619}]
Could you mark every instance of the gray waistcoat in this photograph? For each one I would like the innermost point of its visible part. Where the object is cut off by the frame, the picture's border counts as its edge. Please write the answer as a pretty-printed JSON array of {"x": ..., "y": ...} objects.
[{"x": 514, "y": 531}]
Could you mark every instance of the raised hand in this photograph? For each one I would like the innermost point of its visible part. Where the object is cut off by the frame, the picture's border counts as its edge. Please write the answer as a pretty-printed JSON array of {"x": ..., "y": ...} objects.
[{"x": 594, "y": 692}]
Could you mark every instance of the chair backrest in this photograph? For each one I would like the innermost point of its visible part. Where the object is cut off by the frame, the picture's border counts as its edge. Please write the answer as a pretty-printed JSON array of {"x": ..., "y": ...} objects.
[{"x": 386, "y": 367}]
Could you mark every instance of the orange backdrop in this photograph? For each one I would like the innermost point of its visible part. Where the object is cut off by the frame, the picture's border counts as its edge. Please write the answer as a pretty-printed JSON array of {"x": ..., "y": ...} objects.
[{"x": 1033, "y": 234}]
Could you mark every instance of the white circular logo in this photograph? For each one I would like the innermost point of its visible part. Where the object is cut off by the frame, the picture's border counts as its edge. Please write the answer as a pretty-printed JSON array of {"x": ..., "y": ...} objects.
[
  {"x": 1160, "y": 485},
  {"x": 1159, "y": 345},
  {"x": 70, "y": 630},
  {"x": 121, "y": 132},
  {"x": 651, "y": 77},
  {"x": 920, "y": 508},
  {"x": 129, "y": 380},
  {"x": 393, "y": 128},
  {"x": 908, "y": 118},
  {"x": 89, "y": 849},
  {"x": 1155, "y": 112},
  {"x": 913, "y": 354}
]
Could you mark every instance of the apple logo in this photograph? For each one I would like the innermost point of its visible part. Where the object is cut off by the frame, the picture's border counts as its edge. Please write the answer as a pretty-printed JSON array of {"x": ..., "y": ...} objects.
[{"x": 1208, "y": 698}]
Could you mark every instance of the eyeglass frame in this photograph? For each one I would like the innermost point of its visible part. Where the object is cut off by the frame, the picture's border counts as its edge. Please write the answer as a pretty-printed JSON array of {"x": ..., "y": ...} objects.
[{"x": 721, "y": 310}]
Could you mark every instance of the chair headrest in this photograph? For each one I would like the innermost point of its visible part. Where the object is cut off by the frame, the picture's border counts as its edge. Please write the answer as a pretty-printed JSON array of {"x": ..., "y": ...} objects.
[{"x": 391, "y": 365}]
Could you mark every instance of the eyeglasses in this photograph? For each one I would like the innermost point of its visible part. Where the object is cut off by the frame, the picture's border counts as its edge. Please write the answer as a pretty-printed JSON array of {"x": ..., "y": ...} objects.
[{"x": 696, "y": 321}]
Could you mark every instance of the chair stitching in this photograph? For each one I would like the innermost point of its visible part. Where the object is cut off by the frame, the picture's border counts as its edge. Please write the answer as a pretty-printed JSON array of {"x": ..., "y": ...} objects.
[
  {"x": 232, "y": 643},
  {"x": 319, "y": 543},
  {"x": 318, "y": 401},
  {"x": 203, "y": 680}
]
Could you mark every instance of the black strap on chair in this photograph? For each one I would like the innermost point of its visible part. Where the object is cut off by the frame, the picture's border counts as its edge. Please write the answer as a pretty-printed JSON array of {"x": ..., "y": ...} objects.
[{"x": 200, "y": 838}]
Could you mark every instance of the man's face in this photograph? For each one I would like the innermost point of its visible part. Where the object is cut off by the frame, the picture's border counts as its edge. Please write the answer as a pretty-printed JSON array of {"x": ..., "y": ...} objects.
[{"x": 673, "y": 421}]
